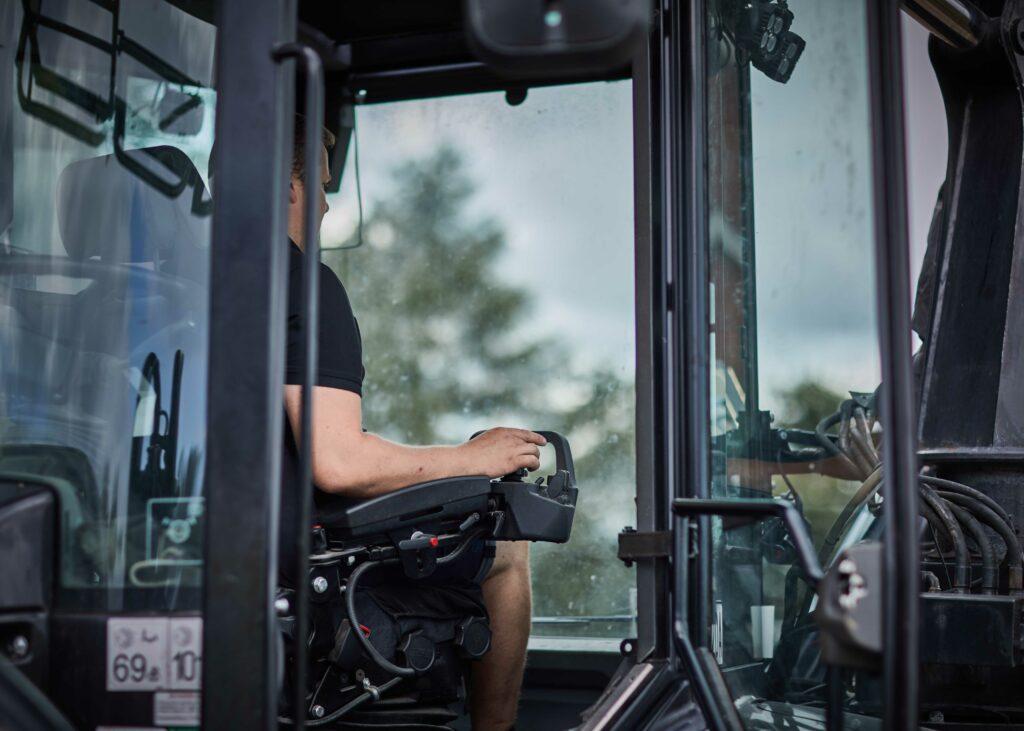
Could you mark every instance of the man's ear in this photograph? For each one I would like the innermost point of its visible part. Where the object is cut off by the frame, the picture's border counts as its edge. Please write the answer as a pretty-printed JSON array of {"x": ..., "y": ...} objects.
[{"x": 293, "y": 195}]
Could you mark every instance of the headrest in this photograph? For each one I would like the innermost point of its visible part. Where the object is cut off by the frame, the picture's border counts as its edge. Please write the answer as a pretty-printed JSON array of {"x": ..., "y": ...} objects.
[{"x": 134, "y": 206}]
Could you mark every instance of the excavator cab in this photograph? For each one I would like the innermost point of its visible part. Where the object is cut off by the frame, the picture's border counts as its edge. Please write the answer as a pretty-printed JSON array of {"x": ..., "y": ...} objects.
[{"x": 754, "y": 261}]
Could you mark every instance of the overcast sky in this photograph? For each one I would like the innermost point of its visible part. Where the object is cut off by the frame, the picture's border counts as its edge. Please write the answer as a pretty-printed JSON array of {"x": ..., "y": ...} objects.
[
  {"x": 556, "y": 172},
  {"x": 813, "y": 207}
]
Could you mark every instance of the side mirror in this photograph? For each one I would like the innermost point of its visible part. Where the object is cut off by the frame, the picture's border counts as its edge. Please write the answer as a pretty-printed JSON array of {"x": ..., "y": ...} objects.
[{"x": 555, "y": 37}]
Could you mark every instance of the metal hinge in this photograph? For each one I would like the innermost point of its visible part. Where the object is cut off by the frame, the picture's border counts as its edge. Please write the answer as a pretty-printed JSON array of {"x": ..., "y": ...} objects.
[{"x": 634, "y": 545}]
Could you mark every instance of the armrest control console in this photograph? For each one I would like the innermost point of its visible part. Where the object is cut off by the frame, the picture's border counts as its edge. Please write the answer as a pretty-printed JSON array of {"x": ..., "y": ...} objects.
[{"x": 534, "y": 511}]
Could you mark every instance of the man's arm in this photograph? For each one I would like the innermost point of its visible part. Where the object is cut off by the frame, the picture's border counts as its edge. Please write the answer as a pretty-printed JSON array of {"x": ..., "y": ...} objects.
[{"x": 349, "y": 461}]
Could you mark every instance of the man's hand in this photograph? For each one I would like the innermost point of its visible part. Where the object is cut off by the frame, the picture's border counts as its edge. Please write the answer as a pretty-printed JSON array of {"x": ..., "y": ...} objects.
[{"x": 502, "y": 451}]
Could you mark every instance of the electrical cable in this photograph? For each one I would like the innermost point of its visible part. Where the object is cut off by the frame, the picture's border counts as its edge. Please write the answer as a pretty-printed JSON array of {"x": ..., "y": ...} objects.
[
  {"x": 350, "y": 602},
  {"x": 464, "y": 546},
  {"x": 860, "y": 440},
  {"x": 350, "y": 609},
  {"x": 865, "y": 433},
  {"x": 866, "y": 429},
  {"x": 354, "y": 703},
  {"x": 826, "y": 441},
  {"x": 374, "y": 654},
  {"x": 989, "y": 561},
  {"x": 959, "y": 487},
  {"x": 932, "y": 519},
  {"x": 933, "y": 581},
  {"x": 350, "y": 706},
  {"x": 844, "y": 435},
  {"x": 861, "y": 456},
  {"x": 820, "y": 431},
  {"x": 962, "y": 567},
  {"x": 1014, "y": 558},
  {"x": 868, "y": 488}
]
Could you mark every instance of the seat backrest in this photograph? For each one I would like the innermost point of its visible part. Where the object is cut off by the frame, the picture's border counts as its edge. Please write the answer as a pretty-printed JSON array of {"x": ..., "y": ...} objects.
[
  {"x": 138, "y": 206},
  {"x": 135, "y": 227}
]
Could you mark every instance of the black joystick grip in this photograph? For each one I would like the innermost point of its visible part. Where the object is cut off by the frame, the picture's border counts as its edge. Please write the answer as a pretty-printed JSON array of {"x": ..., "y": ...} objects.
[
  {"x": 541, "y": 510},
  {"x": 563, "y": 458},
  {"x": 563, "y": 454}
]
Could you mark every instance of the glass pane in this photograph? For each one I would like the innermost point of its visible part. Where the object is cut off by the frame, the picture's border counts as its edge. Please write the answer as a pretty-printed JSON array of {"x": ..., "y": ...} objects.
[
  {"x": 794, "y": 331},
  {"x": 106, "y": 125},
  {"x": 494, "y": 286}
]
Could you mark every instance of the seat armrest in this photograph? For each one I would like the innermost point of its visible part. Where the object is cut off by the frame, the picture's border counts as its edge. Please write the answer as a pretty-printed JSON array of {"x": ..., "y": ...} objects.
[{"x": 427, "y": 501}]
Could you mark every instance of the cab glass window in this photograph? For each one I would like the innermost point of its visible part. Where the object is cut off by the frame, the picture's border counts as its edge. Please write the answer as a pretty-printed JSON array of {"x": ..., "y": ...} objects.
[
  {"x": 106, "y": 124},
  {"x": 794, "y": 336},
  {"x": 492, "y": 277}
]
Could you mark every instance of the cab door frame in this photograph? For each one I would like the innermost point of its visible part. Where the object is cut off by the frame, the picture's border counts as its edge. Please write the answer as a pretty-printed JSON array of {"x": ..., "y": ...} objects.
[
  {"x": 684, "y": 44},
  {"x": 901, "y": 550},
  {"x": 242, "y": 662}
]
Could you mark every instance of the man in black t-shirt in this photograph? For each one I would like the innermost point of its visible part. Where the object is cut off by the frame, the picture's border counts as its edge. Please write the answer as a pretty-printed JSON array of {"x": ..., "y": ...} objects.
[{"x": 358, "y": 465}]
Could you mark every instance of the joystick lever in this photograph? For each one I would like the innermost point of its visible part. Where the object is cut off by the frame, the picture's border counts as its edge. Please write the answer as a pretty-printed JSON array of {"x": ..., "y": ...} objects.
[{"x": 419, "y": 554}]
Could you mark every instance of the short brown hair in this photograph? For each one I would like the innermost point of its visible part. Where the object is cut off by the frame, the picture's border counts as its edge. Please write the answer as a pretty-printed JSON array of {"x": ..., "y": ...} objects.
[{"x": 299, "y": 145}]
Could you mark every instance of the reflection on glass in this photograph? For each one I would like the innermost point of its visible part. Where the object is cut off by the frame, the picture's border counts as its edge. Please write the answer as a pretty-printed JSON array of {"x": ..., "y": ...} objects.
[
  {"x": 104, "y": 245},
  {"x": 793, "y": 332},
  {"x": 494, "y": 287}
]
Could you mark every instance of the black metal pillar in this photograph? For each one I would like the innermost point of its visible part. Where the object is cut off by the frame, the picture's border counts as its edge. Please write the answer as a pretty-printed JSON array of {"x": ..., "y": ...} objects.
[
  {"x": 653, "y": 437},
  {"x": 691, "y": 303},
  {"x": 901, "y": 557},
  {"x": 246, "y": 373}
]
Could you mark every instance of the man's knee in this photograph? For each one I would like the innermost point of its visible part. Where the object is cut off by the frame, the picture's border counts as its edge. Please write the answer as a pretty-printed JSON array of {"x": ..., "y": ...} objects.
[{"x": 511, "y": 557}]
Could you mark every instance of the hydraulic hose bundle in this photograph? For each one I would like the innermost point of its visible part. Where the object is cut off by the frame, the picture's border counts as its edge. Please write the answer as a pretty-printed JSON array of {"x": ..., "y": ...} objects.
[{"x": 957, "y": 515}]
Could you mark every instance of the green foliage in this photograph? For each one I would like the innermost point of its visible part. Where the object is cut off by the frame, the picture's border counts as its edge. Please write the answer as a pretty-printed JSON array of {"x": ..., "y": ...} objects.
[
  {"x": 807, "y": 403},
  {"x": 448, "y": 350}
]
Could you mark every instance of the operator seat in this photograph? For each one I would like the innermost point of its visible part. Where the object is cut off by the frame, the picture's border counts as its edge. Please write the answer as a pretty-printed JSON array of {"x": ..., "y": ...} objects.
[
  {"x": 400, "y": 607},
  {"x": 135, "y": 227},
  {"x": 389, "y": 641},
  {"x": 145, "y": 214},
  {"x": 79, "y": 330},
  {"x": 142, "y": 207}
]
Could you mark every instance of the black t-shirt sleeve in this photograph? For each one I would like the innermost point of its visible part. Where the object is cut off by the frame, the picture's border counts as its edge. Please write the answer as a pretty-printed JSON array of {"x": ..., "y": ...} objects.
[{"x": 341, "y": 348}]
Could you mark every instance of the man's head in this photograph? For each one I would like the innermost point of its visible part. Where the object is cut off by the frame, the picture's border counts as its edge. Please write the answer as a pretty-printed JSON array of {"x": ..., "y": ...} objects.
[{"x": 297, "y": 188}]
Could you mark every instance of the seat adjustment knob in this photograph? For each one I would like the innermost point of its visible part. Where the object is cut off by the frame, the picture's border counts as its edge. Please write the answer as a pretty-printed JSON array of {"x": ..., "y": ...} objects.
[
  {"x": 473, "y": 637},
  {"x": 418, "y": 652}
]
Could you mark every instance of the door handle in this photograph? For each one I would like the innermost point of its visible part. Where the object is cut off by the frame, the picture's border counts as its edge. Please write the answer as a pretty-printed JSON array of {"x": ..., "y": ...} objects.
[{"x": 806, "y": 556}]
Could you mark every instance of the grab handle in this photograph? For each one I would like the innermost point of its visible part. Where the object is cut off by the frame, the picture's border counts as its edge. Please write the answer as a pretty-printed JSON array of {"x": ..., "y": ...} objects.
[{"x": 314, "y": 72}]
